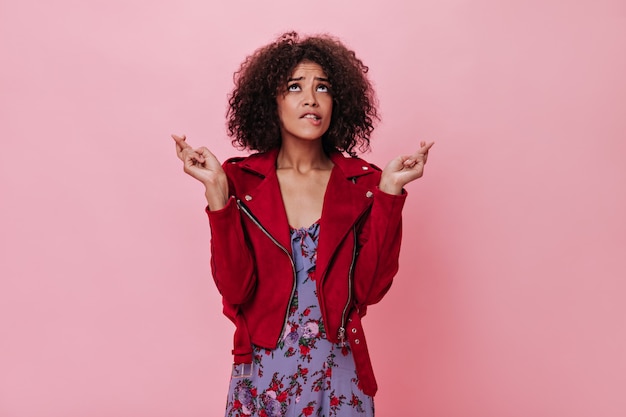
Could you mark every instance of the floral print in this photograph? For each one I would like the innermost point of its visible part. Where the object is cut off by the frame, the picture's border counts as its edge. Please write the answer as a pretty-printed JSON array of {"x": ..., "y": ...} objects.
[{"x": 306, "y": 375}]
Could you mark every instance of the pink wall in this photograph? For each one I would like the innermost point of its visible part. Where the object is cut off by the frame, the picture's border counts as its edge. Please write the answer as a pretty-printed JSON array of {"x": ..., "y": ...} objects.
[{"x": 509, "y": 302}]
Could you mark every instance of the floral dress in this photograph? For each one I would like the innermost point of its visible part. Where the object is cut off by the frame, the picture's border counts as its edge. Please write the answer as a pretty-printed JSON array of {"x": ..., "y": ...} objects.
[{"x": 306, "y": 375}]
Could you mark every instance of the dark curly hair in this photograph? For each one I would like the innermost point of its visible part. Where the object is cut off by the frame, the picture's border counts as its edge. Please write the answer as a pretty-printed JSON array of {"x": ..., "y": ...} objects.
[{"x": 252, "y": 114}]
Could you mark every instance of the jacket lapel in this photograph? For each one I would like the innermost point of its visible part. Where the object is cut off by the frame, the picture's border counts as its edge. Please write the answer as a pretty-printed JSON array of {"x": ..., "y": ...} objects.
[
  {"x": 344, "y": 202},
  {"x": 263, "y": 198}
]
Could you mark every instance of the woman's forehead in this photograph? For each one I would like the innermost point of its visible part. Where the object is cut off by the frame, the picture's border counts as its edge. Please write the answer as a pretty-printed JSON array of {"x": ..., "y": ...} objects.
[{"x": 308, "y": 67}]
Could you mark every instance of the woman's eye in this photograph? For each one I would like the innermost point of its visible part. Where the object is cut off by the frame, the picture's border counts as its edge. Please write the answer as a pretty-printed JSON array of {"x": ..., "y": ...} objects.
[
  {"x": 323, "y": 88},
  {"x": 293, "y": 87}
]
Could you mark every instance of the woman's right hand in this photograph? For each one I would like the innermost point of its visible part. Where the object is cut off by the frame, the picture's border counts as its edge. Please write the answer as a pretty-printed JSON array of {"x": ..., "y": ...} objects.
[{"x": 202, "y": 165}]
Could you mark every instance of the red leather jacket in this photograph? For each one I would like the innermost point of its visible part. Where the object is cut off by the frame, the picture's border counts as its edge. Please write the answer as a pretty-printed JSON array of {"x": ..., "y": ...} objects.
[{"x": 357, "y": 255}]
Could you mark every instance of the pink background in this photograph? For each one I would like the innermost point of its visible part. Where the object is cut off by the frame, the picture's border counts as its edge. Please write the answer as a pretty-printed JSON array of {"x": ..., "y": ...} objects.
[{"x": 510, "y": 298}]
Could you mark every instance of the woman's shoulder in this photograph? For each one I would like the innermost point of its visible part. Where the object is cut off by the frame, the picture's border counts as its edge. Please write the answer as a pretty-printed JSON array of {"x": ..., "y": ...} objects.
[
  {"x": 352, "y": 162},
  {"x": 234, "y": 160},
  {"x": 260, "y": 163},
  {"x": 356, "y": 169}
]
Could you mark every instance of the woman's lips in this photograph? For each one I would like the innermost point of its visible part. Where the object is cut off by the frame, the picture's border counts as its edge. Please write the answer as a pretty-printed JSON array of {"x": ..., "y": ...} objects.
[{"x": 313, "y": 118}]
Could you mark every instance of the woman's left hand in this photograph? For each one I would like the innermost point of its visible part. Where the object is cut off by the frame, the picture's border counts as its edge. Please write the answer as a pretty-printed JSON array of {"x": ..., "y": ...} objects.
[{"x": 405, "y": 168}]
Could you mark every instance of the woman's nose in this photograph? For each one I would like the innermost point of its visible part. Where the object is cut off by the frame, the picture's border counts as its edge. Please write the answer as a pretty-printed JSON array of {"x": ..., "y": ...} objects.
[{"x": 309, "y": 98}]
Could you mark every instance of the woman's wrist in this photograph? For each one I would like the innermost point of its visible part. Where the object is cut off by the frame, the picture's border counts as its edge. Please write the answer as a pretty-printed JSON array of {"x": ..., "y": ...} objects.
[
  {"x": 215, "y": 202},
  {"x": 389, "y": 187},
  {"x": 216, "y": 195}
]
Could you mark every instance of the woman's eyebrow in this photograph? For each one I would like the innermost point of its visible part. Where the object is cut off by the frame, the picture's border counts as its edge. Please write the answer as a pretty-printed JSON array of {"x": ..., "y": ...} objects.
[{"x": 302, "y": 78}]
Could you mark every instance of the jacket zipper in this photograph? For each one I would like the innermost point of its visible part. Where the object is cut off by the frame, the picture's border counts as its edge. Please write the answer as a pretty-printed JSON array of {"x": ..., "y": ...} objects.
[
  {"x": 293, "y": 266},
  {"x": 341, "y": 334}
]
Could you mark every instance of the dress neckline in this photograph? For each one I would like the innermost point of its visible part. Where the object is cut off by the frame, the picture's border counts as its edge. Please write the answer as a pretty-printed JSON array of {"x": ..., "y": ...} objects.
[{"x": 295, "y": 229}]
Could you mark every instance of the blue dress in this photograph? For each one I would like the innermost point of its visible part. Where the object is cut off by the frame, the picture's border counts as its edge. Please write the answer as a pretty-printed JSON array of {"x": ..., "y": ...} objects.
[{"x": 306, "y": 375}]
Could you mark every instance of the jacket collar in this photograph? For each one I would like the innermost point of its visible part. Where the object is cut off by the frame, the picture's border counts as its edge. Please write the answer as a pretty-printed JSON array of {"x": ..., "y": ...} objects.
[{"x": 264, "y": 164}]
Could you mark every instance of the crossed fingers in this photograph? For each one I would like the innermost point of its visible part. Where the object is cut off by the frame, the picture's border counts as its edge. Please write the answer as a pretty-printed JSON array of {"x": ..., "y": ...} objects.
[
  {"x": 185, "y": 151},
  {"x": 421, "y": 156}
]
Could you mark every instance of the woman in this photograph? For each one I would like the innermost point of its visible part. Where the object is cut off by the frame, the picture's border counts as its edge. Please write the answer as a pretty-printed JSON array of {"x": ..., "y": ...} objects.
[{"x": 303, "y": 238}]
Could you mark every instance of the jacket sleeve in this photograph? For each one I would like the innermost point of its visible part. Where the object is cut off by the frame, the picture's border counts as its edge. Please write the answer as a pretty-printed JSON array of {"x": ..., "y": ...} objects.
[
  {"x": 379, "y": 248},
  {"x": 232, "y": 263}
]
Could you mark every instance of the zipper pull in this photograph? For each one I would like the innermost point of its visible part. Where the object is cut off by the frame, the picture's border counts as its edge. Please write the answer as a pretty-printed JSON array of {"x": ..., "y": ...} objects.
[{"x": 341, "y": 335}]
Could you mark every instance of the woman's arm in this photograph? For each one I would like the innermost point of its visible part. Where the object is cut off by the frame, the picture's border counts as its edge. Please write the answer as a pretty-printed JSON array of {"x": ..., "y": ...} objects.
[
  {"x": 379, "y": 248},
  {"x": 381, "y": 233},
  {"x": 232, "y": 264}
]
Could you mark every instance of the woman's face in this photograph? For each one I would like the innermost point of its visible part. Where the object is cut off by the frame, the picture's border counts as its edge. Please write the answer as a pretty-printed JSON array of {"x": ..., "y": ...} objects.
[{"x": 305, "y": 107}]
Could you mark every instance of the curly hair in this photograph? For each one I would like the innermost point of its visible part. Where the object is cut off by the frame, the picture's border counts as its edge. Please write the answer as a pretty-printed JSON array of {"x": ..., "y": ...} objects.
[{"x": 252, "y": 116}]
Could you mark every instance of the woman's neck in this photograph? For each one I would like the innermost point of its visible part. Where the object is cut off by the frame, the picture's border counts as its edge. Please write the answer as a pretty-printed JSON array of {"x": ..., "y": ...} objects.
[{"x": 303, "y": 156}]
